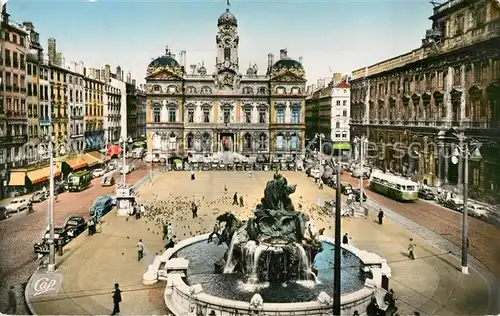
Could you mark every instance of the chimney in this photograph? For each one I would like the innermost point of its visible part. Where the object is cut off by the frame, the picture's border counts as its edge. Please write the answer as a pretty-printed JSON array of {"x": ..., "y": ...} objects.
[
  {"x": 29, "y": 26},
  {"x": 270, "y": 60},
  {"x": 52, "y": 50},
  {"x": 122, "y": 76},
  {"x": 5, "y": 15},
  {"x": 107, "y": 73},
  {"x": 81, "y": 69},
  {"x": 283, "y": 53},
  {"x": 129, "y": 77},
  {"x": 134, "y": 82},
  {"x": 301, "y": 59},
  {"x": 103, "y": 75},
  {"x": 119, "y": 73},
  {"x": 183, "y": 58}
]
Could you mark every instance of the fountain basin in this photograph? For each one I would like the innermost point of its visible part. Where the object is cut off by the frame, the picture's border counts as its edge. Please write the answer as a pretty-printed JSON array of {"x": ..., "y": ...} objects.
[{"x": 195, "y": 292}]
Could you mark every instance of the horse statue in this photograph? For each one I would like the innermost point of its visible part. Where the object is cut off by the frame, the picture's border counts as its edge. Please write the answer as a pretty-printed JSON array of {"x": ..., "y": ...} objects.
[{"x": 232, "y": 224}]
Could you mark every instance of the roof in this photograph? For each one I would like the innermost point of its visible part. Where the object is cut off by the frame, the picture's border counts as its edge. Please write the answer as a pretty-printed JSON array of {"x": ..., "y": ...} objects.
[
  {"x": 287, "y": 63},
  {"x": 344, "y": 84},
  {"x": 227, "y": 18},
  {"x": 164, "y": 61}
]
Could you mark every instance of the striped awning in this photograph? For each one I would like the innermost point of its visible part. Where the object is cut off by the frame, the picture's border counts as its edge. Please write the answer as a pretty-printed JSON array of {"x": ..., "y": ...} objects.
[
  {"x": 76, "y": 163},
  {"x": 17, "y": 178},
  {"x": 91, "y": 160},
  {"x": 42, "y": 174}
]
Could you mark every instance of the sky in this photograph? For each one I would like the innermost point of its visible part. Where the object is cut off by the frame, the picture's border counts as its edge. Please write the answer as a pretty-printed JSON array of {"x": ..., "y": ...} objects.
[{"x": 330, "y": 35}]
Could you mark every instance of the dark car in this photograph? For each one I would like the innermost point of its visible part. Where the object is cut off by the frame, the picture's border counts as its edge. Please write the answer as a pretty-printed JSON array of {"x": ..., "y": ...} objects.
[
  {"x": 4, "y": 214},
  {"x": 357, "y": 194},
  {"x": 426, "y": 194},
  {"x": 60, "y": 237},
  {"x": 75, "y": 225},
  {"x": 454, "y": 205},
  {"x": 102, "y": 206}
]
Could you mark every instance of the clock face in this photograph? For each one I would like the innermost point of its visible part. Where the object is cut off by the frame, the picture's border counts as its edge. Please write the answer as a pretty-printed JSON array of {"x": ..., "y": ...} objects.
[
  {"x": 227, "y": 40},
  {"x": 227, "y": 63}
]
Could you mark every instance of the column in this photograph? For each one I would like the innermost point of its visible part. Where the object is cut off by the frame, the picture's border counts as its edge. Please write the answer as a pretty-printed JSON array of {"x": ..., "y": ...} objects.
[
  {"x": 440, "y": 156},
  {"x": 463, "y": 156},
  {"x": 446, "y": 162}
]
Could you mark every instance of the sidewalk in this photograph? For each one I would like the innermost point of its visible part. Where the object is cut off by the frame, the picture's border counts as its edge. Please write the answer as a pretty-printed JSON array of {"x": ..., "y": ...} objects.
[{"x": 91, "y": 265}]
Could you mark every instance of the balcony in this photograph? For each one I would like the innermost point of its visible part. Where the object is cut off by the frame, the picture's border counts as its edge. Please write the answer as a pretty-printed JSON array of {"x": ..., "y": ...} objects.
[
  {"x": 77, "y": 117},
  {"x": 16, "y": 139}
]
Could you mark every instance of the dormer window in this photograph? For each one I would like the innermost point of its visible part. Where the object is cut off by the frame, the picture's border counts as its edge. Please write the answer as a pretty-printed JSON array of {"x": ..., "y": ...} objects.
[
  {"x": 262, "y": 90},
  {"x": 191, "y": 90},
  {"x": 156, "y": 89},
  {"x": 280, "y": 90},
  {"x": 172, "y": 89},
  {"x": 295, "y": 90}
]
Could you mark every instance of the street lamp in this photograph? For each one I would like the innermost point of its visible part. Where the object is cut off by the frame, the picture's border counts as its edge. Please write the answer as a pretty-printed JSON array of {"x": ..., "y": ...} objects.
[
  {"x": 466, "y": 154},
  {"x": 361, "y": 142},
  {"x": 124, "y": 153},
  {"x": 48, "y": 149}
]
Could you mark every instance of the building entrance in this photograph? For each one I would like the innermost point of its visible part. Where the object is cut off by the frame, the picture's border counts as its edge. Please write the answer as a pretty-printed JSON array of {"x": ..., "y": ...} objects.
[{"x": 226, "y": 142}]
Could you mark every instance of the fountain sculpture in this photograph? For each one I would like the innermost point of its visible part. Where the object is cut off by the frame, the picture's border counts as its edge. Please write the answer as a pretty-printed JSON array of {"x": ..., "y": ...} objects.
[{"x": 271, "y": 246}]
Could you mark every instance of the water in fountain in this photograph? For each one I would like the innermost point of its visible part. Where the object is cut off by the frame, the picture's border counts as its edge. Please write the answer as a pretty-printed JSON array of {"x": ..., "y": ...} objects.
[{"x": 229, "y": 267}]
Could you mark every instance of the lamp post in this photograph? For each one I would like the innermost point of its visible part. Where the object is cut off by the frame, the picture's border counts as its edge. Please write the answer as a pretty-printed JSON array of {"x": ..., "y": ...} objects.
[
  {"x": 463, "y": 152},
  {"x": 49, "y": 149},
  {"x": 124, "y": 141},
  {"x": 361, "y": 142},
  {"x": 336, "y": 265}
]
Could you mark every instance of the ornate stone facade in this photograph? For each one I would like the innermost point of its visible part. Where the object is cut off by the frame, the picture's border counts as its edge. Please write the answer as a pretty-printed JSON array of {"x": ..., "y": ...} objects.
[
  {"x": 191, "y": 112},
  {"x": 452, "y": 81}
]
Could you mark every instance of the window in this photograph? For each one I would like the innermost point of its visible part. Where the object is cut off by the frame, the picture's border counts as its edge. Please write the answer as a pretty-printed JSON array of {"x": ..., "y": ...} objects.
[
  {"x": 295, "y": 90},
  {"x": 248, "y": 115},
  {"x": 296, "y": 115},
  {"x": 262, "y": 141},
  {"x": 280, "y": 116},
  {"x": 337, "y": 124},
  {"x": 294, "y": 142},
  {"x": 344, "y": 135},
  {"x": 227, "y": 53},
  {"x": 247, "y": 142},
  {"x": 172, "y": 115},
  {"x": 459, "y": 24},
  {"x": 344, "y": 103},
  {"x": 337, "y": 136},
  {"x": 338, "y": 103},
  {"x": 280, "y": 90},
  {"x": 206, "y": 115},
  {"x": 262, "y": 90},
  {"x": 191, "y": 115},
  {"x": 344, "y": 113},
  {"x": 172, "y": 141},
  {"x": 279, "y": 142},
  {"x": 227, "y": 115},
  {"x": 190, "y": 141},
  {"x": 205, "y": 142},
  {"x": 172, "y": 89},
  {"x": 262, "y": 116},
  {"x": 156, "y": 88}
]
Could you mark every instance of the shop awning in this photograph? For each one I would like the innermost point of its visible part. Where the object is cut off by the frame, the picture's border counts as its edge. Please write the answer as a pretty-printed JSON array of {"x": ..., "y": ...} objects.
[
  {"x": 345, "y": 146},
  {"x": 98, "y": 155},
  {"x": 114, "y": 150},
  {"x": 91, "y": 160},
  {"x": 17, "y": 178},
  {"x": 42, "y": 174},
  {"x": 76, "y": 163}
]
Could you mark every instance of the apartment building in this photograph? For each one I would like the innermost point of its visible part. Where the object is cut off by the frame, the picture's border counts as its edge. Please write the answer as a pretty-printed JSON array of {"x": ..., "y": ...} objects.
[
  {"x": 115, "y": 100},
  {"x": 76, "y": 103},
  {"x": 94, "y": 109}
]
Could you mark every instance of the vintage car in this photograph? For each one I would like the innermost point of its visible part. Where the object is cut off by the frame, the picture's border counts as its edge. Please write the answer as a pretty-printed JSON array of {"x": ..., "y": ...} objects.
[
  {"x": 4, "y": 214},
  {"x": 426, "y": 194},
  {"x": 356, "y": 173},
  {"x": 97, "y": 173},
  {"x": 60, "y": 238},
  {"x": 127, "y": 169},
  {"x": 101, "y": 206},
  {"x": 75, "y": 225},
  {"x": 478, "y": 211},
  {"x": 39, "y": 196},
  {"x": 454, "y": 204},
  {"x": 108, "y": 181},
  {"x": 17, "y": 205},
  {"x": 357, "y": 195},
  {"x": 205, "y": 167}
]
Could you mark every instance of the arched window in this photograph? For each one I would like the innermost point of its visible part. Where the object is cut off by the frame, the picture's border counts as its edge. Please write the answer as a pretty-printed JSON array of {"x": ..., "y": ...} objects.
[
  {"x": 156, "y": 89},
  {"x": 172, "y": 141},
  {"x": 190, "y": 141},
  {"x": 280, "y": 142},
  {"x": 205, "y": 142},
  {"x": 263, "y": 141},
  {"x": 294, "y": 142},
  {"x": 247, "y": 141}
]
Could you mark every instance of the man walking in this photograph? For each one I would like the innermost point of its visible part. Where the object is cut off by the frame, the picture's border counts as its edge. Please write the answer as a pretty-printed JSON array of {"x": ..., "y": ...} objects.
[
  {"x": 345, "y": 239},
  {"x": 140, "y": 250},
  {"x": 194, "y": 209},
  {"x": 90, "y": 225},
  {"x": 117, "y": 298},
  {"x": 380, "y": 217},
  {"x": 390, "y": 300},
  {"x": 235, "y": 198},
  {"x": 241, "y": 201},
  {"x": 411, "y": 247},
  {"x": 165, "y": 230},
  {"x": 12, "y": 301},
  {"x": 214, "y": 232}
]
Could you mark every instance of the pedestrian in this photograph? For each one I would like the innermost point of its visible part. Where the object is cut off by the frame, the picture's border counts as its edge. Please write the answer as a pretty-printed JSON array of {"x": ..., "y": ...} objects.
[
  {"x": 140, "y": 250},
  {"x": 12, "y": 306},
  {"x": 345, "y": 239},
  {"x": 117, "y": 298},
  {"x": 356, "y": 313},
  {"x": 390, "y": 300},
  {"x": 225, "y": 188},
  {"x": 366, "y": 212},
  {"x": 321, "y": 231},
  {"x": 320, "y": 184},
  {"x": 171, "y": 242},
  {"x": 250, "y": 173},
  {"x": 194, "y": 209},
  {"x": 165, "y": 230},
  {"x": 193, "y": 176},
  {"x": 235, "y": 199},
  {"x": 90, "y": 226},
  {"x": 411, "y": 247},
  {"x": 241, "y": 201},
  {"x": 380, "y": 217},
  {"x": 373, "y": 309},
  {"x": 214, "y": 232}
]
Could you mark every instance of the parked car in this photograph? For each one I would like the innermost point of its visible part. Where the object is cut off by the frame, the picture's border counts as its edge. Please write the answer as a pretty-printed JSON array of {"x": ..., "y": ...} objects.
[
  {"x": 356, "y": 173},
  {"x": 108, "y": 181},
  {"x": 426, "y": 194},
  {"x": 477, "y": 211},
  {"x": 127, "y": 169},
  {"x": 60, "y": 236},
  {"x": 17, "y": 204},
  {"x": 98, "y": 173},
  {"x": 454, "y": 204},
  {"x": 357, "y": 195},
  {"x": 39, "y": 196},
  {"x": 102, "y": 206},
  {"x": 75, "y": 225},
  {"x": 4, "y": 213},
  {"x": 111, "y": 166}
]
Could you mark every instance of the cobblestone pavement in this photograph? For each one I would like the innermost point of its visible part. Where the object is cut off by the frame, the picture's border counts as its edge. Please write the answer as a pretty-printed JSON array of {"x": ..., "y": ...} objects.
[
  {"x": 20, "y": 232},
  {"x": 431, "y": 284},
  {"x": 484, "y": 238}
]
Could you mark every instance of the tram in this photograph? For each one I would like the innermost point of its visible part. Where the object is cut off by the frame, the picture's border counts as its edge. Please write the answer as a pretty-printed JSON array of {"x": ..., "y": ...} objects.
[{"x": 394, "y": 187}]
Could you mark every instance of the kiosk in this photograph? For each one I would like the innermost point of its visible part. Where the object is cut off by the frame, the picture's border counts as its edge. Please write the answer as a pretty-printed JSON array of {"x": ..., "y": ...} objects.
[{"x": 125, "y": 199}]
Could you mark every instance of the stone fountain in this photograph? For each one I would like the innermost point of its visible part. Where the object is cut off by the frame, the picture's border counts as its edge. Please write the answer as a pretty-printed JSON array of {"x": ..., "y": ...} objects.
[{"x": 272, "y": 245}]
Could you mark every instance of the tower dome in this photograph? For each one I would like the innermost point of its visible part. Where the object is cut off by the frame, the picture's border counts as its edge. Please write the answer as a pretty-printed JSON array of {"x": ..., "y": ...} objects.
[{"x": 227, "y": 18}]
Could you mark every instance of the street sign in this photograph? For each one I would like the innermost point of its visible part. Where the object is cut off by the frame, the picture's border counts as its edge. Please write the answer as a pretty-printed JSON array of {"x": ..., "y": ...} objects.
[{"x": 45, "y": 122}]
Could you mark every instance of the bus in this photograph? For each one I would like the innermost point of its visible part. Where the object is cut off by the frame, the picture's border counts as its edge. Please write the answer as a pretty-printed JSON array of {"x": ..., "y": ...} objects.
[
  {"x": 394, "y": 187},
  {"x": 79, "y": 181}
]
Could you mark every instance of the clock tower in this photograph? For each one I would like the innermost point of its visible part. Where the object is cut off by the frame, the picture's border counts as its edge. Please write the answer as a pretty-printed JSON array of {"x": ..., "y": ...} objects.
[{"x": 227, "y": 43}]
